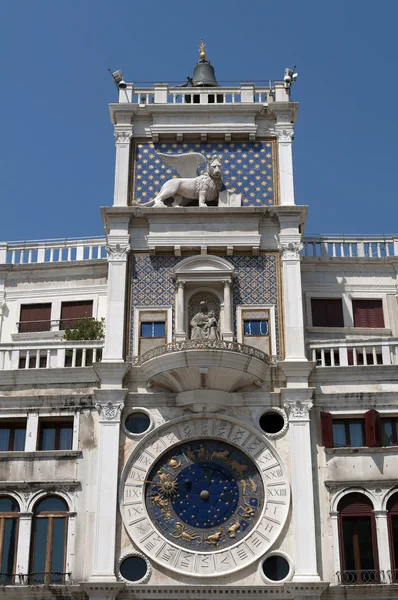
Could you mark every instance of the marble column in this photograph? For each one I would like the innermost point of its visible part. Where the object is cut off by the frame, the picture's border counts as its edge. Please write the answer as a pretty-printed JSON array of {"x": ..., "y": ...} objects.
[
  {"x": 123, "y": 134},
  {"x": 227, "y": 333},
  {"x": 24, "y": 540},
  {"x": 109, "y": 407},
  {"x": 117, "y": 250},
  {"x": 292, "y": 298},
  {"x": 298, "y": 404},
  {"x": 334, "y": 521},
  {"x": 179, "y": 311},
  {"x": 383, "y": 545},
  {"x": 284, "y": 134}
]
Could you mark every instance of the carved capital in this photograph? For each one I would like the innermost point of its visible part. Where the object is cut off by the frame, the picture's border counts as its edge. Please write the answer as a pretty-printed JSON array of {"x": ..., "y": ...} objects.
[
  {"x": 109, "y": 411},
  {"x": 284, "y": 132},
  {"x": 117, "y": 252},
  {"x": 298, "y": 410},
  {"x": 180, "y": 284},
  {"x": 122, "y": 135},
  {"x": 290, "y": 250}
]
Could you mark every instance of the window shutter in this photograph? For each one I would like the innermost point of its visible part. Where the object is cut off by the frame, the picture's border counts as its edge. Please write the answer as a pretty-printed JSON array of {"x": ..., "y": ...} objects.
[
  {"x": 372, "y": 428},
  {"x": 35, "y": 317},
  {"x": 327, "y": 429},
  {"x": 368, "y": 313},
  {"x": 71, "y": 312},
  {"x": 327, "y": 312}
]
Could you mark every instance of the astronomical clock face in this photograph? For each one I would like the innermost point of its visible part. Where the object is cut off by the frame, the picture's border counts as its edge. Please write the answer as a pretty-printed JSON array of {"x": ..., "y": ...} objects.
[{"x": 204, "y": 505}]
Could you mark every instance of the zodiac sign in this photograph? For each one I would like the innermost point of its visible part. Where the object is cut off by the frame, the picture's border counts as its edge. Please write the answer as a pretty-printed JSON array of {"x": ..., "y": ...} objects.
[
  {"x": 220, "y": 455},
  {"x": 167, "y": 486},
  {"x": 238, "y": 467},
  {"x": 190, "y": 454},
  {"x": 232, "y": 529},
  {"x": 247, "y": 510},
  {"x": 251, "y": 483},
  {"x": 174, "y": 463},
  {"x": 162, "y": 504},
  {"x": 214, "y": 538},
  {"x": 188, "y": 535},
  {"x": 201, "y": 452}
]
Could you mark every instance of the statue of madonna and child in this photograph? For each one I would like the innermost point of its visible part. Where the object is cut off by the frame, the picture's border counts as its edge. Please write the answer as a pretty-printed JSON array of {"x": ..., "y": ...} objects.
[{"x": 204, "y": 325}]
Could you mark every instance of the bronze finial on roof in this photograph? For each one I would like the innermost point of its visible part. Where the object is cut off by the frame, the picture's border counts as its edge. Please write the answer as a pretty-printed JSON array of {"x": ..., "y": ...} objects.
[{"x": 202, "y": 50}]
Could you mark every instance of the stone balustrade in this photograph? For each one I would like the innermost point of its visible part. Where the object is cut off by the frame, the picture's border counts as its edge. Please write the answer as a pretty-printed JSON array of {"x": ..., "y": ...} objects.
[
  {"x": 47, "y": 355},
  {"x": 163, "y": 93},
  {"x": 52, "y": 251},
  {"x": 350, "y": 246},
  {"x": 354, "y": 353}
]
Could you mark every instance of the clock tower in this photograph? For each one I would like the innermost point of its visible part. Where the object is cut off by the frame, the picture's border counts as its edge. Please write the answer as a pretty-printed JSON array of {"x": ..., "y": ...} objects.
[{"x": 204, "y": 401}]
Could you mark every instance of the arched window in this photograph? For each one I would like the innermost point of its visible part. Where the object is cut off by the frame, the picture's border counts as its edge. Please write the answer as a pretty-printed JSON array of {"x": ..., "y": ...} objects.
[
  {"x": 9, "y": 519},
  {"x": 358, "y": 548},
  {"x": 392, "y": 508},
  {"x": 50, "y": 524}
]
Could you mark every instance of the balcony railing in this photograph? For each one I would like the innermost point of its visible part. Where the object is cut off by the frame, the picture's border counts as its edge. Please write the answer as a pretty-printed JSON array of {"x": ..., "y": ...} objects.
[
  {"x": 366, "y": 576},
  {"x": 47, "y": 355},
  {"x": 350, "y": 246},
  {"x": 392, "y": 576},
  {"x": 354, "y": 354},
  {"x": 49, "y": 324},
  {"x": 202, "y": 345},
  {"x": 52, "y": 251},
  {"x": 163, "y": 93},
  {"x": 47, "y": 578}
]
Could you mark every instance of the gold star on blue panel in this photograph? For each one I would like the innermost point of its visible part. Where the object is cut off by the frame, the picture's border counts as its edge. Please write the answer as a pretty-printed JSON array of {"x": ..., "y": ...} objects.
[{"x": 242, "y": 161}]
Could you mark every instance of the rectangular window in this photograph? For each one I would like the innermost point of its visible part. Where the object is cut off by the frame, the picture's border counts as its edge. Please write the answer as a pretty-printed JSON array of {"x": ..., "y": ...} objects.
[
  {"x": 55, "y": 435},
  {"x": 348, "y": 432},
  {"x": 255, "y": 327},
  {"x": 12, "y": 435},
  {"x": 154, "y": 329},
  {"x": 368, "y": 313},
  {"x": 327, "y": 312},
  {"x": 71, "y": 312},
  {"x": 389, "y": 431},
  {"x": 35, "y": 317}
]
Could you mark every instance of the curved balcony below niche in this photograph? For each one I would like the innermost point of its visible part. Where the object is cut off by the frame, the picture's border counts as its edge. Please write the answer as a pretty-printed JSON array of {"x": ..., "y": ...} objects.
[{"x": 205, "y": 364}]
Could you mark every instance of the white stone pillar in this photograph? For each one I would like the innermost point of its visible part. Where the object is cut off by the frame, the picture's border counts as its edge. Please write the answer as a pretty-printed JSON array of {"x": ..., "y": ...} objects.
[
  {"x": 227, "y": 333},
  {"x": 383, "y": 545},
  {"x": 109, "y": 407},
  {"x": 298, "y": 404},
  {"x": 292, "y": 299},
  {"x": 32, "y": 430},
  {"x": 123, "y": 134},
  {"x": 179, "y": 311},
  {"x": 285, "y": 133},
  {"x": 334, "y": 521},
  {"x": 24, "y": 541},
  {"x": 116, "y": 301}
]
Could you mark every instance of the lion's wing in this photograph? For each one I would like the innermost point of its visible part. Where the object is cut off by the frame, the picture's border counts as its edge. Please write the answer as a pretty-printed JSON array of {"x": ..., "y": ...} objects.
[{"x": 186, "y": 165}]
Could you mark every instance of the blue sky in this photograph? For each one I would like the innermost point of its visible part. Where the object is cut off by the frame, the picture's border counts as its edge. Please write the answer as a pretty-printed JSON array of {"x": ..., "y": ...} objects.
[{"x": 56, "y": 144}]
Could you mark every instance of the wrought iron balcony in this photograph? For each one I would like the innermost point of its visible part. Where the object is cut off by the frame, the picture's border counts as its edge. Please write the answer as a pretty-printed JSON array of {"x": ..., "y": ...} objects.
[
  {"x": 45, "y": 578},
  {"x": 361, "y": 577}
]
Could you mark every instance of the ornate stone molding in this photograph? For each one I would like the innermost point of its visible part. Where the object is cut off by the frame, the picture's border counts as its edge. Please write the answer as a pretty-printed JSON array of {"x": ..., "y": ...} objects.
[
  {"x": 298, "y": 410},
  {"x": 109, "y": 411},
  {"x": 284, "y": 133},
  {"x": 290, "y": 250},
  {"x": 117, "y": 252},
  {"x": 122, "y": 136}
]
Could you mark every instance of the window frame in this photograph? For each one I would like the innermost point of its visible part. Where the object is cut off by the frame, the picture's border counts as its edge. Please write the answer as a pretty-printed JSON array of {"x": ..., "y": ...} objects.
[
  {"x": 167, "y": 309},
  {"x": 32, "y": 305},
  {"x": 3, "y": 517},
  {"x": 240, "y": 318},
  {"x": 373, "y": 531},
  {"x": 347, "y": 422},
  {"x": 51, "y": 515},
  {"x": 384, "y": 309},
  {"x": 394, "y": 421},
  {"x": 75, "y": 319},
  {"x": 327, "y": 299},
  {"x": 13, "y": 424},
  {"x": 59, "y": 422}
]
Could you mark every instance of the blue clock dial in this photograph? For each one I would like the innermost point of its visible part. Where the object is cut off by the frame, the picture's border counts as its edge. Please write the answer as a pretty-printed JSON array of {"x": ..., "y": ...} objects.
[{"x": 205, "y": 494}]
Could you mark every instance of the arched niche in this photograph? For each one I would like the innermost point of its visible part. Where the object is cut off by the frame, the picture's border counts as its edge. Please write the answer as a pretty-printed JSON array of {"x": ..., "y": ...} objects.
[{"x": 212, "y": 277}]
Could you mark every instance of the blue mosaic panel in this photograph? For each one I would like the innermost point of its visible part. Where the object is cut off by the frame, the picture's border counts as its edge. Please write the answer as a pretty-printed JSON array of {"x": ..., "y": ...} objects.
[
  {"x": 152, "y": 284},
  {"x": 248, "y": 168}
]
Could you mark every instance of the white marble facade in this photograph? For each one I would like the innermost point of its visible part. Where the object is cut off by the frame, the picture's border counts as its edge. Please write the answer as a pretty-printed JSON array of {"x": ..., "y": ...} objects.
[{"x": 216, "y": 389}]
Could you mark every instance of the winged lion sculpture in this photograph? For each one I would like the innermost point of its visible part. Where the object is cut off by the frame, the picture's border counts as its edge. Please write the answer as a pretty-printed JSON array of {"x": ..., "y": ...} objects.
[{"x": 189, "y": 185}]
